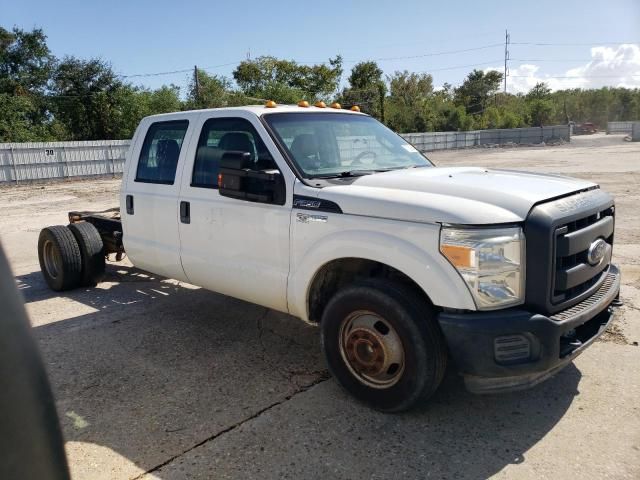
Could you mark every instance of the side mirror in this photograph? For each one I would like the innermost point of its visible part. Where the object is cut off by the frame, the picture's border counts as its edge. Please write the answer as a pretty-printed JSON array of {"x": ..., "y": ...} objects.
[
  {"x": 237, "y": 179},
  {"x": 235, "y": 160}
]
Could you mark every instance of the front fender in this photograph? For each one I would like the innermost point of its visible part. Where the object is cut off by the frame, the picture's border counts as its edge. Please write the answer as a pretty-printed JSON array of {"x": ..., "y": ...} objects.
[{"x": 316, "y": 244}]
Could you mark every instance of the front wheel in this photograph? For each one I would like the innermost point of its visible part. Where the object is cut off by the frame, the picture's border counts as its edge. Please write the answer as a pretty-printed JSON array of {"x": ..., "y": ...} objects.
[{"x": 383, "y": 345}]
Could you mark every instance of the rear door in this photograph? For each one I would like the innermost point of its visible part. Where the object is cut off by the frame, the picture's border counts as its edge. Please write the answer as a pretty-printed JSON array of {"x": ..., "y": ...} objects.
[
  {"x": 149, "y": 204},
  {"x": 232, "y": 246}
]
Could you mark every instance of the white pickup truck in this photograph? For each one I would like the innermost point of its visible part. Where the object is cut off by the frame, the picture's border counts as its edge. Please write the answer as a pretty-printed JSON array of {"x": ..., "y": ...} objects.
[{"x": 327, "y": 215}]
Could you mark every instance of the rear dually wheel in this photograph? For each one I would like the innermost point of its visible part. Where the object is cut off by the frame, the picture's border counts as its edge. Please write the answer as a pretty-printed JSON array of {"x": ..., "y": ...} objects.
[{"x": 60, "y": 258}]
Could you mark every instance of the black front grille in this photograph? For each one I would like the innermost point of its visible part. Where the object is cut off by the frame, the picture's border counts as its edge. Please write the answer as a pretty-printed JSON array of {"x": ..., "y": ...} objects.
[
  {"x": 559, "y": 234},
  {"x": 574, "y": 275}
]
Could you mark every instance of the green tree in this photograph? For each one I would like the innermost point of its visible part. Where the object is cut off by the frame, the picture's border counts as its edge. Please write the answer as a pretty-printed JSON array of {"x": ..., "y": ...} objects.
[
  {"x": 510, "y": 119},
  {"x": 491, "y": 118},
  {"x": 25, "y": 68},
  {"x": 406, "y": 107},
  {"x": 282, "y": 80},
  {"x": 539, "y": 104},
  {"x": 210, "y": 91},
  {"x": 164, "y": 99},
  {"x": 457, "y": 119},
  {"x": 25, "y": 61},
  {"x": 367, "y": 89},
  {"x": 477, "y": 89},
  {"x": 131, "y": 104},
  {"x": 87, "y": 98},
  {"x": 16, "y": 121}
]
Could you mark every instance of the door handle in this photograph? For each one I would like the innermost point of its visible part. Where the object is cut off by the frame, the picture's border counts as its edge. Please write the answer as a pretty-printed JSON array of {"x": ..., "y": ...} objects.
[
  {"x": 185, "y": 212},
  {"x": 129, "y": 204}
]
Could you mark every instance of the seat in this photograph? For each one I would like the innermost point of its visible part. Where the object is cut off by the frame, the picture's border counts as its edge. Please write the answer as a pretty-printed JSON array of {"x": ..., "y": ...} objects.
[
  {"x": 305, "y": 151},
  {"x": 167, "y": 153},
  {"x": 238, "y": 142}
]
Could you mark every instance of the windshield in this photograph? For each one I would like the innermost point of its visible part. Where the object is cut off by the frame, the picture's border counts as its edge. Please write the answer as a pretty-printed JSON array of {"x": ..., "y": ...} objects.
[{"x": 341, "y": 144}]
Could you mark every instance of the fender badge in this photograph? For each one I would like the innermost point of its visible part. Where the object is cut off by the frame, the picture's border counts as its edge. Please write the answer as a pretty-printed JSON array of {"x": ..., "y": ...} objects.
[
  {"x": 309, "y": 218},
  {"x": 304, "y": 203}
]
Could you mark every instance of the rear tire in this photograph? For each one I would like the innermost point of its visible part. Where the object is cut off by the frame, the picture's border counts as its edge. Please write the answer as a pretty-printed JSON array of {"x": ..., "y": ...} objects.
[
  {"x": 91, "y": 251},
  {"x": 60, "y": 258},
  {"x": 383, "y": 345}
]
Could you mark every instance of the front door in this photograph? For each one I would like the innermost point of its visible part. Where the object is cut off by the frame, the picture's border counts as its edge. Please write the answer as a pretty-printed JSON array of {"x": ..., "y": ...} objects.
[{"x": 232, "y": 246}]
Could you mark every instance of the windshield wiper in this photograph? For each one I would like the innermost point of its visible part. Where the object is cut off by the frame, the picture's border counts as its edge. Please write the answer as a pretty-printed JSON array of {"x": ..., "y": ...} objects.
[
  {"x": 347, "y": 174},
  {"x": 361, "y": 173},
  {"x": 404, "y": 167}
]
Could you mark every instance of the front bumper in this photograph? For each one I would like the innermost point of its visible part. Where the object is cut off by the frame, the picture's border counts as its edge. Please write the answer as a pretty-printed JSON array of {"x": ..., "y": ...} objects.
[{"x": 515, "y": 349}]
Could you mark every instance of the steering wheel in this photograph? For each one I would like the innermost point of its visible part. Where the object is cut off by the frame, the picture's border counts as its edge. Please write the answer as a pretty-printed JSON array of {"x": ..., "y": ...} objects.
[{"x": 359, "y": 160}]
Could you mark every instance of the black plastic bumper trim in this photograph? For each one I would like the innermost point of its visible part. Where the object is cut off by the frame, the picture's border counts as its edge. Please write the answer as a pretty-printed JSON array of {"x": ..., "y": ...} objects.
[{"x": 470, "y": 339}]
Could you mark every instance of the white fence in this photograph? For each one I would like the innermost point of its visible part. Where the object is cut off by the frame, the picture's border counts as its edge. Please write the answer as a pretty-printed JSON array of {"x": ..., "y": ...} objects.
[
  {"x": 430, "y": 141},
  {"x": 42, "y": 160},
  {"x": 39, "y": 161},
  {"x": 619, "y": 127}
]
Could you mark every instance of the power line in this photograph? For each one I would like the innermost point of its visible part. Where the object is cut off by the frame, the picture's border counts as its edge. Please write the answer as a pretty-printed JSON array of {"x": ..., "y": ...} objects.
[
  {"x": 572, "y": 44},
  {"x": 461, "y": 66},
  {"x": 156, "y": 74},
  {"x": 552, "y": 60},
  {"x": 403, "y": 57},
  {"x": 577, "y": 76},
  {"x": 172, "y": 72},
  {"x": 431, "y": 54},
  {"x": 406, "y": 57}
]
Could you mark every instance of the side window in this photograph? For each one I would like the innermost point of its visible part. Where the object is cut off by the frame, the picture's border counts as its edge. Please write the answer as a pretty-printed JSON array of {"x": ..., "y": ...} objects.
[
  {"x": 220, "y": 135},
  {"x": 160, "y": 151}
]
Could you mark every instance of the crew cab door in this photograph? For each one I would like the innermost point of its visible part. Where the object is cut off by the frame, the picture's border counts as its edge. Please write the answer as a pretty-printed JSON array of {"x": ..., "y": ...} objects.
[
  {"x": 149, "y": 200},
  {"x": 234, "y": 246}
]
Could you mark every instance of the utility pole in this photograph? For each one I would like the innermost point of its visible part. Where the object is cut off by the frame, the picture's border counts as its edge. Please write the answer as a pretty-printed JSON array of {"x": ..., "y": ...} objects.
[
  {"x": 507, "y": 40},
  {"x": 197, "y": 82}
]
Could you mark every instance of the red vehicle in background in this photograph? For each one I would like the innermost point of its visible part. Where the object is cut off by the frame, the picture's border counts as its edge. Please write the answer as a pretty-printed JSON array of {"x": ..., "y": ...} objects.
[{"x": 586, "y": 128}]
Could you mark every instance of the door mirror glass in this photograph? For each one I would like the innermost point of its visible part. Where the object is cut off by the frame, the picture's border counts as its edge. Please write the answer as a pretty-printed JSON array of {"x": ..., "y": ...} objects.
[{"x": 236, "y": 160}]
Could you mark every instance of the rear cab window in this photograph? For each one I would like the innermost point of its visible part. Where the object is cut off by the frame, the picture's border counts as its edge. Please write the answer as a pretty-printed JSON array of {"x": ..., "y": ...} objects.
[{"x": 160, "y": 151}]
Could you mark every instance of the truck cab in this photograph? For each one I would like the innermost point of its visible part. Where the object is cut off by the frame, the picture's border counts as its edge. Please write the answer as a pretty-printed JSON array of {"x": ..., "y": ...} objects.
[{"x": 327, "y": 215}]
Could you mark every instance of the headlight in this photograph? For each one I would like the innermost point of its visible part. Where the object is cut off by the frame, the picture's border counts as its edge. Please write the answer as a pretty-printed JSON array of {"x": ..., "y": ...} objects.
[{"x": 490, "y": 260}]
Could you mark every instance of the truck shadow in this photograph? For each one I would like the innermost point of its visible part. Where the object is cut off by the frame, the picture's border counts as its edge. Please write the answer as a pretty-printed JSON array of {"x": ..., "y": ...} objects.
[{"x": 150, "y": 369}]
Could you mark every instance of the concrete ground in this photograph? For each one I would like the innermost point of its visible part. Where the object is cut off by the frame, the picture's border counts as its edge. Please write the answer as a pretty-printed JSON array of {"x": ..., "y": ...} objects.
[{"x": 158, "y": 379}]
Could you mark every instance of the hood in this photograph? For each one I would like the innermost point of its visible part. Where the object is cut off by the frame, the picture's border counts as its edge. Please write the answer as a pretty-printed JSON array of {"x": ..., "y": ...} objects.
[{"x": 460, "y": 195}]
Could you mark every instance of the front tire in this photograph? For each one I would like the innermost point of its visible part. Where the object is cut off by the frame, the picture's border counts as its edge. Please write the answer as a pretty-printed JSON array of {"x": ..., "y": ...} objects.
[{"x": 383, "y": 345}]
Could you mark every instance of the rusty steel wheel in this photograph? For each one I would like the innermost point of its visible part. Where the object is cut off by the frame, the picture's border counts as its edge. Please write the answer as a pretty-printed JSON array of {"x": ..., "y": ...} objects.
[
  {"x": 383, "y": 344},
  {"x": 371, "y": 349}
]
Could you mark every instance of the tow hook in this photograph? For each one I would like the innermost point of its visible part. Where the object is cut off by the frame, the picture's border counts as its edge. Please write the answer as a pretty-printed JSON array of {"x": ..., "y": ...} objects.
[
  {"x": 617, "y": 303},
  {"x": 569, "y": 342}
]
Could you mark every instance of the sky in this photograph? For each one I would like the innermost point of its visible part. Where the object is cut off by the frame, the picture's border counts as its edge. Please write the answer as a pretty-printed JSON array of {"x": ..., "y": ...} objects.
[{"x": 566, "y": 43}]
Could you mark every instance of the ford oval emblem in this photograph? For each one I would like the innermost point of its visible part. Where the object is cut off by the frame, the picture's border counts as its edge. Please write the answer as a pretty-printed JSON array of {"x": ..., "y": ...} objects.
[{"x": 597, "y": 251}]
